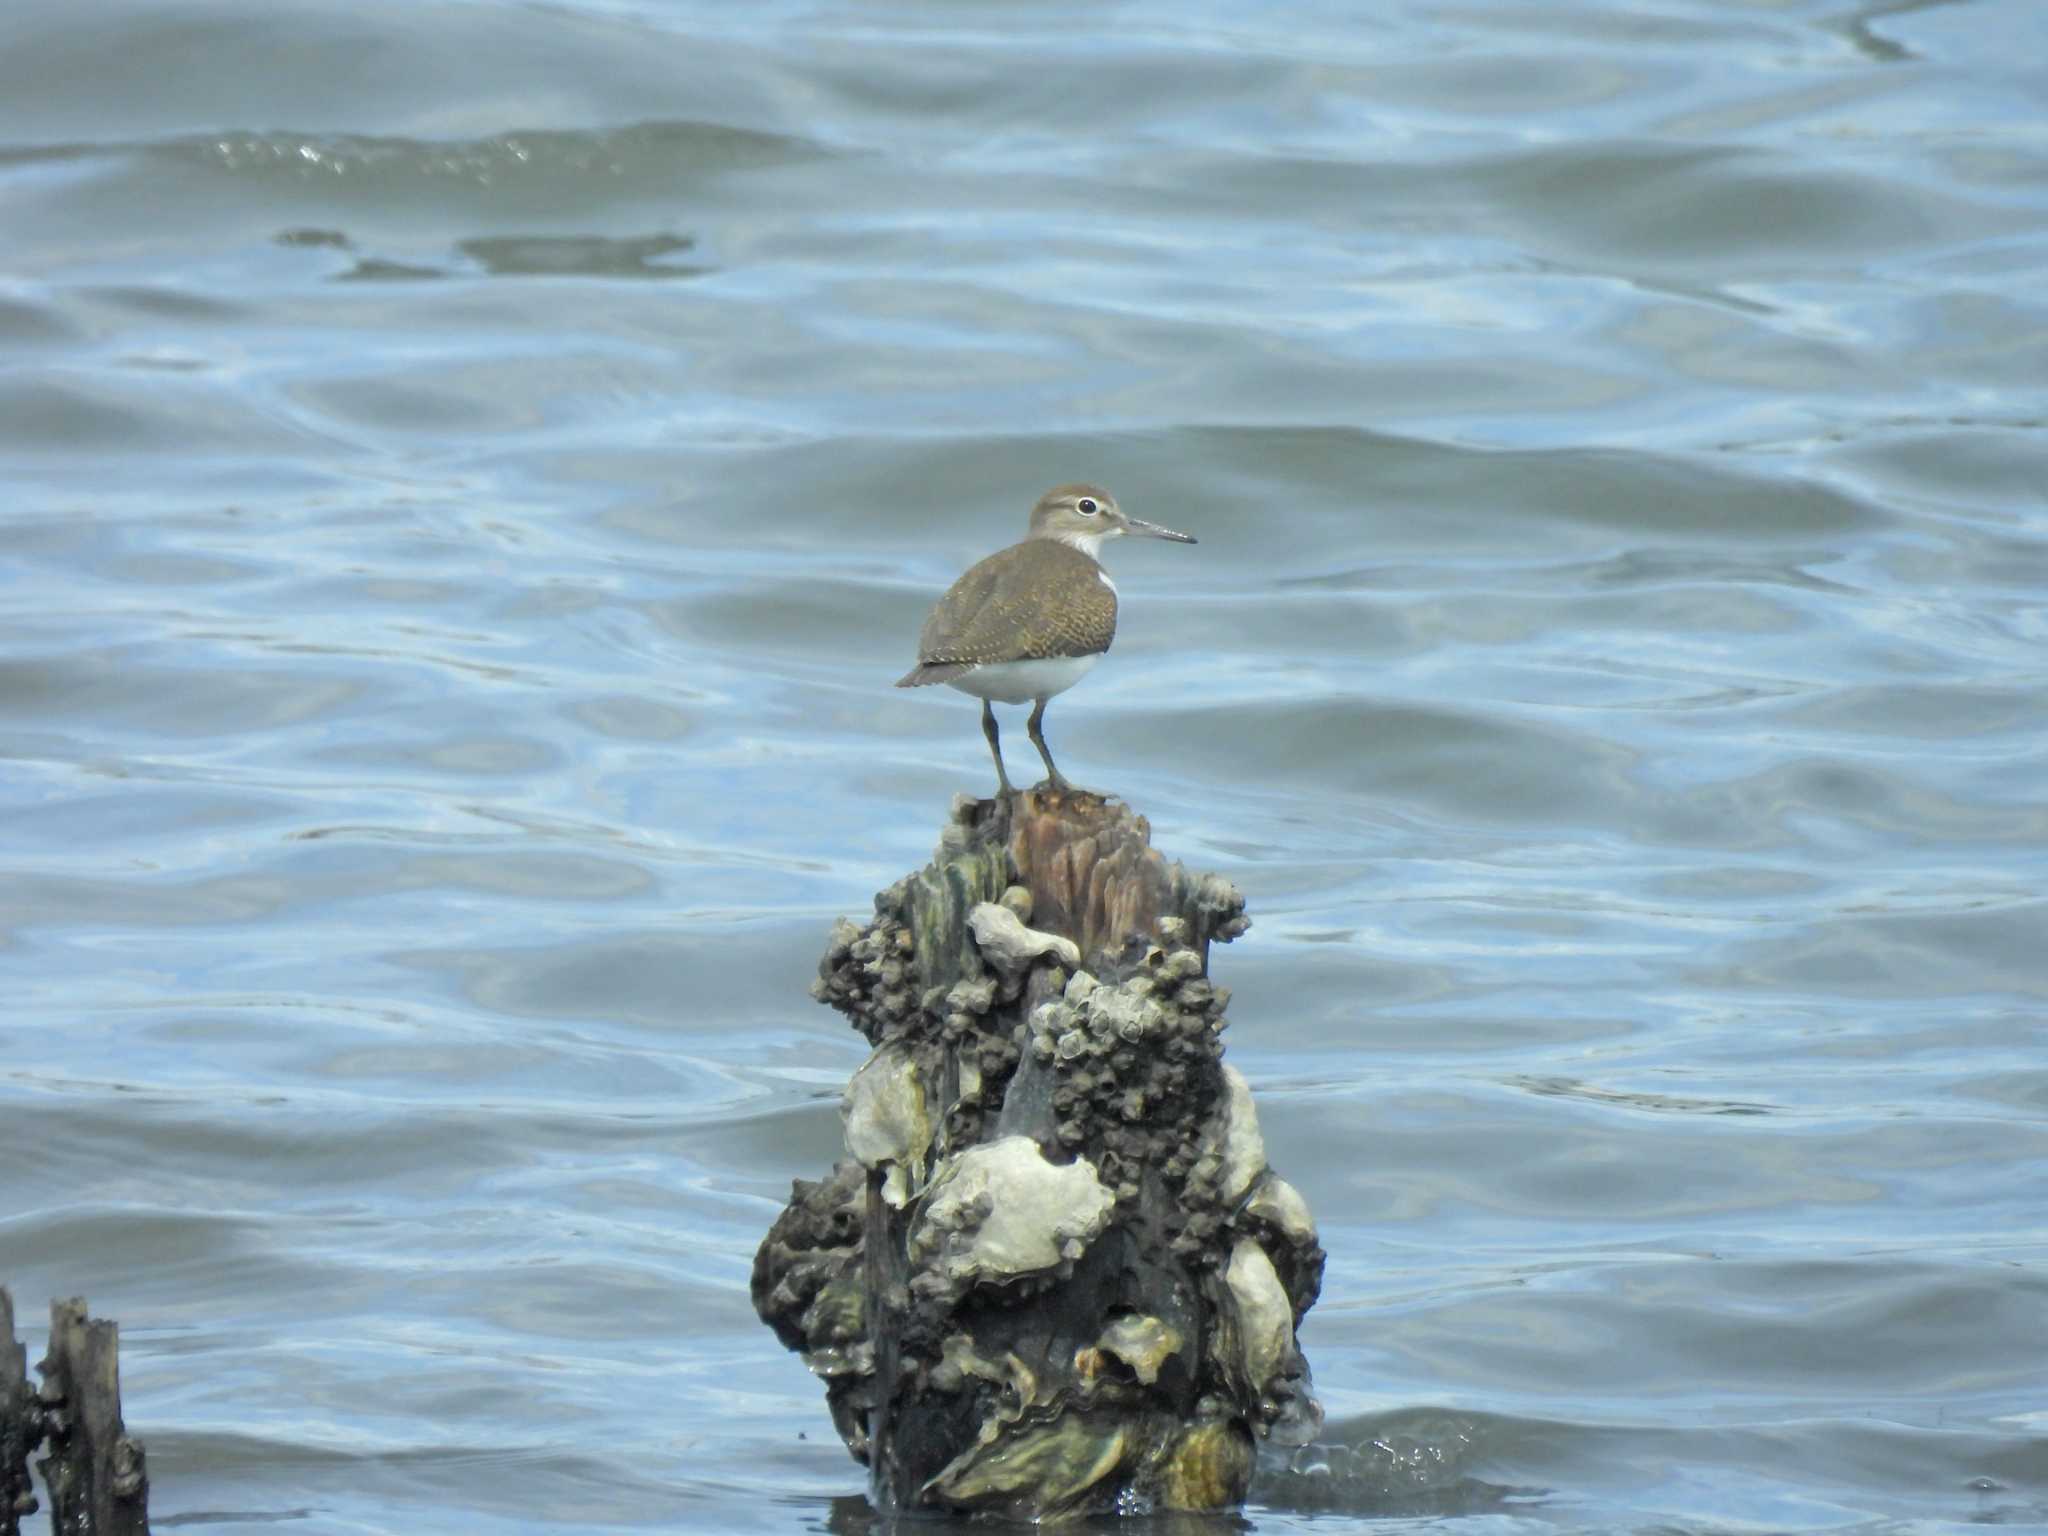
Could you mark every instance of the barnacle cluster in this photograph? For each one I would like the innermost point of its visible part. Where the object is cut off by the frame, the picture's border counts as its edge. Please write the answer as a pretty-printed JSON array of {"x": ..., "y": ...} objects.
[
  {"x": 807, "y": 1287},
  {"x": 1218, "y": 908},
  {"x": 877, "y": 976},
  {"x": 1134, "y": 1066},
  {"x": 869, "y": 973}
]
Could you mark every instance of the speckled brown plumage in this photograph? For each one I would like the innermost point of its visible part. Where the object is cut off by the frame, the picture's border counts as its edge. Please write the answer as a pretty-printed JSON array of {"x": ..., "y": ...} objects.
[{"x": 1034, "y": 600}]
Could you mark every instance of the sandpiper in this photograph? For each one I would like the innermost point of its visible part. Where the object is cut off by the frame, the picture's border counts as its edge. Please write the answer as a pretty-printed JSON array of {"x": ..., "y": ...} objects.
[{"x": 1029, "y": 621}]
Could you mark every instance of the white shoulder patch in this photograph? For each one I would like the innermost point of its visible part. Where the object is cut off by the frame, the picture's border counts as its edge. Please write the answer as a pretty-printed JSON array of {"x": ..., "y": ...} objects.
[{"x": 1103, "y": 576}]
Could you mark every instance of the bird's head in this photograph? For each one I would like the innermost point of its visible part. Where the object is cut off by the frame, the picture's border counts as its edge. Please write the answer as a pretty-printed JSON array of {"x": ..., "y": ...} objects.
[{"x": 1085, "y": 515}]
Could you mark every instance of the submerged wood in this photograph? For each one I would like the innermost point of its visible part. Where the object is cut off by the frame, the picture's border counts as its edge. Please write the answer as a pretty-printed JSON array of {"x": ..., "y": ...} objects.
[{"x": 1055, "y": 1276}]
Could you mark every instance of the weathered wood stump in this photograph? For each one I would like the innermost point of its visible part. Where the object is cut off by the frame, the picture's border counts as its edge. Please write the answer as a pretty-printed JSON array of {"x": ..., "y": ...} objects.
[
  {"x": 94, "y": 1470},
  {"x": 21, "y": 1424},
  {"x": 1055, "y": 1277}
]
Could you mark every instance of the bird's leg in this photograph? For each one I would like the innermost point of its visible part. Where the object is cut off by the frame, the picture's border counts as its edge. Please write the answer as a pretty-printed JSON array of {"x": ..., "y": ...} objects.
[
  {"x": 1038, "y": 740},
  {"x": 995, "y": 746}
]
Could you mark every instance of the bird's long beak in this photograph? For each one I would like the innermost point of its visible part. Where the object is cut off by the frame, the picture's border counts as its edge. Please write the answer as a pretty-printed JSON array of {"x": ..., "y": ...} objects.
[{"x": 1154, "y": 531}]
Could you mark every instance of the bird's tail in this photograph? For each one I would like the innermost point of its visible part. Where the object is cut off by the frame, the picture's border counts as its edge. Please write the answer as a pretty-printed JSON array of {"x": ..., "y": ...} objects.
[{"x": 926, "y": 672}]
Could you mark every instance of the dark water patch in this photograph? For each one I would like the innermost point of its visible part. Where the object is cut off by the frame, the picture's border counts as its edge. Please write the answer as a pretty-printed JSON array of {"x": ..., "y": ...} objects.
[
  {"x": 141, "y": 695},
  {"x": 124, "y": 411},
  {"x": 584, "y": 256}
]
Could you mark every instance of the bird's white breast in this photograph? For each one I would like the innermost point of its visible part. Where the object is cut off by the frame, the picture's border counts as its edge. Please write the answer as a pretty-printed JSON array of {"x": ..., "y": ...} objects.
[{"x": 1019, "y": 682}]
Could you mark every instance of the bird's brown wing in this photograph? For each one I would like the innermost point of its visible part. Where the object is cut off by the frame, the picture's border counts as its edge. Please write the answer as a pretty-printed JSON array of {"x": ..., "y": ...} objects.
[{"x": 998, "y": 611}]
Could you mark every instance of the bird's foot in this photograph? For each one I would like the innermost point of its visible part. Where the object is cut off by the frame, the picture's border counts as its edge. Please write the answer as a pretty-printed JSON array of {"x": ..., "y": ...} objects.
[{"x": 1057, "y": 787}]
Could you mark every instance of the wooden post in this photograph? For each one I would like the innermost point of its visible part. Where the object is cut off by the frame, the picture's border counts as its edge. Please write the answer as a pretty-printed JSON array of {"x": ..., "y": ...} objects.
[
  {"x": 94, "y": 1471},
  {"x": 21, "y": 1424},
  {"x": 1055, "y": 1277}
]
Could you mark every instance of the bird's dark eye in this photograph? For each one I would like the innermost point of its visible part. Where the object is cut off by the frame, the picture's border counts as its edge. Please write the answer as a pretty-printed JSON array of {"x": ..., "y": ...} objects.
[{"x": 1086, "y": 506}]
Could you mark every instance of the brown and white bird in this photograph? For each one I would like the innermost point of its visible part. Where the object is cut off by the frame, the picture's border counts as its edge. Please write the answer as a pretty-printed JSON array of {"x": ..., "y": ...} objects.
[{"x": 1029, "y": 621}]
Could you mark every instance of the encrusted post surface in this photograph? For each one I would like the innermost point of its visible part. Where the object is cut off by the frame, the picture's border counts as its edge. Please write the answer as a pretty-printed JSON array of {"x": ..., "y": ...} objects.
[{"x": 1055, "y": 1276}]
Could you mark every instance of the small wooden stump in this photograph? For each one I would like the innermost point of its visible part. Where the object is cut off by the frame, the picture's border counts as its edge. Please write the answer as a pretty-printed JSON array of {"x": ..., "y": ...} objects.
[
  {"x": 94, "y": 1471},
  {"x": 1055, "y": 1277},
  {"x": 21, "y": 1424}
]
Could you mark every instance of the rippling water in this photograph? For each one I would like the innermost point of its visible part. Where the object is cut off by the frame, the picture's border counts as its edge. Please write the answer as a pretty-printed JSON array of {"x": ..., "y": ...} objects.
[{"x": 473, "y": 471}]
